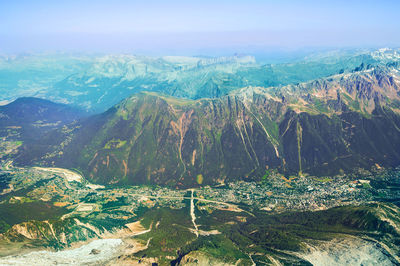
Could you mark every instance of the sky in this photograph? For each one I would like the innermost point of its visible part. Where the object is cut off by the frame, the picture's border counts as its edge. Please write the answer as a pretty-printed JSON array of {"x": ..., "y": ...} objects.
[{"x": 190, "y": 27}]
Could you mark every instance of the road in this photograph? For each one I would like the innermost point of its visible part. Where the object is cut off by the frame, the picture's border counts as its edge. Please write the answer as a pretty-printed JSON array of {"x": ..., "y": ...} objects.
[
  {"x": 180, "y": 198},
  {"x": 193, "y": 215}
]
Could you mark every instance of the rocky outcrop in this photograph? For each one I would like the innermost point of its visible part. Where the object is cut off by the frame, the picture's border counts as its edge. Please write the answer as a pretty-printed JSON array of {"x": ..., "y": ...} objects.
[{"x": 56, "y": 233}]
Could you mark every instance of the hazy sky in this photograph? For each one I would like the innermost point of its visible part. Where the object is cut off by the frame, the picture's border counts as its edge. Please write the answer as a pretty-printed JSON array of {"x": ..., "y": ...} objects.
[{"x": 162, "y": 26}]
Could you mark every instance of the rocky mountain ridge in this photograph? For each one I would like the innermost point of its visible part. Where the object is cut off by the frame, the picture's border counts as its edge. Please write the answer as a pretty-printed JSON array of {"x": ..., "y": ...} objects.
[{"x": 324, "y": 127}]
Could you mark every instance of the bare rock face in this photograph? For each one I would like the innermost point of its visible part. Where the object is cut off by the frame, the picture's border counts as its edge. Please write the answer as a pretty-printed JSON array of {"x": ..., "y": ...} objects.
[{"x": 95, "y": 251}]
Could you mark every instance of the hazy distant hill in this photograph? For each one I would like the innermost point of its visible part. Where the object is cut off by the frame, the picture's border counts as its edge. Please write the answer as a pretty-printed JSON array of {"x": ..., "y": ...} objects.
[
  {"x": 32, "y": 117},
  {"x": 97, "y": 82},
  {"x": 113, "y": 78},
  {"x": 31, "y": 74}
]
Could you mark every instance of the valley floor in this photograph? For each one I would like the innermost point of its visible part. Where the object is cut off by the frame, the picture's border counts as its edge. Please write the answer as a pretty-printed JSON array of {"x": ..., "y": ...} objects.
[{"x": 238, "y": 223}]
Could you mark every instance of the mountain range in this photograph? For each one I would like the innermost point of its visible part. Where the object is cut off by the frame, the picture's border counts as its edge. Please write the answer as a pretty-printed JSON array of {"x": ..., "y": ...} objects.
[
  {"x": 327, "y": 126},
  {"x": 97, "y": 82}
]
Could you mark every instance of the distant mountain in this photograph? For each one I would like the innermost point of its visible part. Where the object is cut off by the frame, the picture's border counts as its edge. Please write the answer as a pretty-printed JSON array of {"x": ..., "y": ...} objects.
[
  {"x": 33, "y": 74},
  {"x": 324, "y": 127},
  {"x": 113, "y": 78},
  {"x": 97, "y": 82}
]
